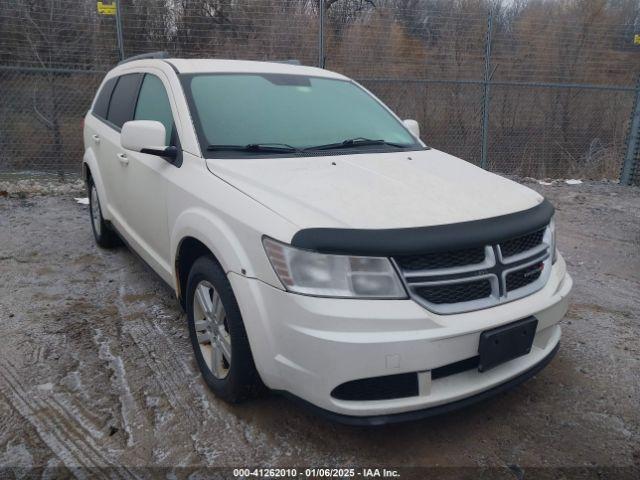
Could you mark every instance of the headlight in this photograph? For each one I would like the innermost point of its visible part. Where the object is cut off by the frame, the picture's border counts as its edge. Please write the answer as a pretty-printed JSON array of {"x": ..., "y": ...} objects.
[
  {"x": 552, "y": 240},
  {"x": 318, "y": 274}
]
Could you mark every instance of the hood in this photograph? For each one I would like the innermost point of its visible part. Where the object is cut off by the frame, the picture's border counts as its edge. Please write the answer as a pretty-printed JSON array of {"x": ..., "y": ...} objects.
[{"x": 375, "y": 191}]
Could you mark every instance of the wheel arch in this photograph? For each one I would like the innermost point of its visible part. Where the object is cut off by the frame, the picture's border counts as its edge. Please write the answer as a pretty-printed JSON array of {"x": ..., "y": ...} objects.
[
  {"x": 198, "y": 232},
  {"x": 188, "y": 251}
]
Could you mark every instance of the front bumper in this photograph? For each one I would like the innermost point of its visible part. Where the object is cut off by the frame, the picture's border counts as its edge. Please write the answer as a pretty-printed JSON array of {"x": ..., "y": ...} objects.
[
  {"x": 307, "y": 346},
  {"x": 430, "y": 411}
]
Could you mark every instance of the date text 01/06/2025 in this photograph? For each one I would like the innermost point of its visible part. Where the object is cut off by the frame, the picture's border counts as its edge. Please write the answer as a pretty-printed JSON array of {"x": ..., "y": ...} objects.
[{"x": 315, "y": 473}]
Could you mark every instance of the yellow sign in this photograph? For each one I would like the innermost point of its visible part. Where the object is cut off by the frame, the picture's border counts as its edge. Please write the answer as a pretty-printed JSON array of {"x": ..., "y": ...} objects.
[
  {"x": 107, "y": 8},
  {"x": 636, "y": 39}
]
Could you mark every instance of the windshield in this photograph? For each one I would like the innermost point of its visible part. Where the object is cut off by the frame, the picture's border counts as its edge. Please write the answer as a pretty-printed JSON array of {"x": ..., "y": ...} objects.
[{"x": 259, "y": 114}]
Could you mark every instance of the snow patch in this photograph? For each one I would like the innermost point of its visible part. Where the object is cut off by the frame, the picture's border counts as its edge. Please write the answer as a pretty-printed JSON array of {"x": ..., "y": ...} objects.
[
  {"x": 72, "y": 381},
  {"x": 158, "y": 311},
  {"x": 18, "y": 457},
  {"x": 120, "y": 384}
]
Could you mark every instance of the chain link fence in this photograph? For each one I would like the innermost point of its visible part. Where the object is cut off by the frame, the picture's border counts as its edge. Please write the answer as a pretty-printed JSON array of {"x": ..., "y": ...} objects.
[{"x": 542, "y": 89}]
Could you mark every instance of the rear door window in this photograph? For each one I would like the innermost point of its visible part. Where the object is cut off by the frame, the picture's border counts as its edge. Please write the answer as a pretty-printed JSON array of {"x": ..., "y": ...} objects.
[
  {"x": 123, "y": 99},
  {"x": 101, "y": 106},
  {"x": 153, "y": 104}
]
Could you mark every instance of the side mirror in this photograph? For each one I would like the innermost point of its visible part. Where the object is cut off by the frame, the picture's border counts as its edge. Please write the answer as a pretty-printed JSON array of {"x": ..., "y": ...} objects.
[
  {"x": 146, "y": 136},
  {"x": 413, "y": 127}
]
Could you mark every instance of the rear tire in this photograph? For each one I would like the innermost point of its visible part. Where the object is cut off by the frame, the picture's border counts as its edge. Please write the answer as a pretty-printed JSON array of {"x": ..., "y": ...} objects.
[
  {"x": 102, "y": 232},
  {"x": 217, "y": 334}
]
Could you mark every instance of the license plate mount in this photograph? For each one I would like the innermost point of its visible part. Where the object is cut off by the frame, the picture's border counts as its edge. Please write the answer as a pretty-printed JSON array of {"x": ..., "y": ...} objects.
[{"x": 506, "y": 342}]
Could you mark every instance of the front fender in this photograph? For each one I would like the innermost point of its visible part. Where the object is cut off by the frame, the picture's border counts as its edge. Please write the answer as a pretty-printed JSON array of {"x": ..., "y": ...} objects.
[
  {"x": 215, "y": 234},
  {"x": 237, "y": 245}
]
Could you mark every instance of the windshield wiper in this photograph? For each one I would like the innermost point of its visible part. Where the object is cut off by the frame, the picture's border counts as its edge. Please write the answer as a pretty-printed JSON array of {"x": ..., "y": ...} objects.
[
  {"x": 255, "y": 147},
  {"x": 355, "y": 142}
]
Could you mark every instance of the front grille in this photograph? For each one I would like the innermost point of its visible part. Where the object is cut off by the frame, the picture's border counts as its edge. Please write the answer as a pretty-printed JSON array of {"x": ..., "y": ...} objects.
[
  {"x": 477, "y": 277},
  {"x": 455, "y": 292},
  {"x": 521, "y": 244},
  {"x": 435, "y": 260},
  {"x": 378, "y": 388},
  {"x": 526, "y": 276}
]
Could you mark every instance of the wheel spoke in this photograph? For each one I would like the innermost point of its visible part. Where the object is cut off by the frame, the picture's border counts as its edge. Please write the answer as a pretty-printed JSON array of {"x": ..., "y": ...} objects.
[
  {"x": 203, "y": 337},
  {"x": 217, "y": 360},
  {"x": 204, "y": 300},
  {"x": 216, "y": 308},
  {"x": 224, "y": 341},
  {"x": 201, "y": 325}
]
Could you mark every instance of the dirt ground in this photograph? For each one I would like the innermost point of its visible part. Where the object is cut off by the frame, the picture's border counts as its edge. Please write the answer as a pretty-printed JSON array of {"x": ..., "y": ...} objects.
[{"x": 96, "y": 369}]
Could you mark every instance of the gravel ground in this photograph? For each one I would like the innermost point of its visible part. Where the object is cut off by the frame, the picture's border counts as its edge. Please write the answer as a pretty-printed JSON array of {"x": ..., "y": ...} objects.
[
  {"x": 24, "y": 186},
  {"x": 96, "y": 369}
]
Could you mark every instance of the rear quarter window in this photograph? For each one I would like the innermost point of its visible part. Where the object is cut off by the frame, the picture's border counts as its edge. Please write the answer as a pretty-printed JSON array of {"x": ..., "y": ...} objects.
[
  {"x": 101, "y": 105},
  {"x": 123, "y": 99}
]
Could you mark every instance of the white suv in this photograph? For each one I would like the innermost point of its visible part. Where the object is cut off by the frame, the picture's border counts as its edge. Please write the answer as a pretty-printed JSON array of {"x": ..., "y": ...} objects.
[{"x": 317, "y": 245}]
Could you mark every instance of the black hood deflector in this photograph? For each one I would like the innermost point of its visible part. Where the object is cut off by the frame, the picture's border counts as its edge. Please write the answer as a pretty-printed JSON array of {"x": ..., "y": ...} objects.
[{"x": 415, "y": 240}]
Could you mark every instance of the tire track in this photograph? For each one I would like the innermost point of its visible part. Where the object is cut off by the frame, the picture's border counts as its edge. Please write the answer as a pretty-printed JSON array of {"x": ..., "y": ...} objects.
[
  {"x": 62, "y": 434},
  {"x": 72, "y": 410},
  {"x": 69, "y": 410},
  {"x": 189, "y": 398},
  {"x": 183, "y": 390},
  {"x": 48, "y": 429},
  {"x": 170, "y": 373},
  {"x": 170, "y": 379}
]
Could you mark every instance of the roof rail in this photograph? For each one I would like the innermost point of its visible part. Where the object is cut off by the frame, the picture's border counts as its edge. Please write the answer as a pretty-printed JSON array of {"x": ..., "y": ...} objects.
[
  {"x": 143, "y": 56},
  {"x": 291, "y": 61}
]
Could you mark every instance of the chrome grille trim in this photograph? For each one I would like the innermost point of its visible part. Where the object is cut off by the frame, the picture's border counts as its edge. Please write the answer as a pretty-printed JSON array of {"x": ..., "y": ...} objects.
[
  {"x": 521, "y": 256},
  {"x": 489, "y": 261},
  {"x": 494, "y": 268}
]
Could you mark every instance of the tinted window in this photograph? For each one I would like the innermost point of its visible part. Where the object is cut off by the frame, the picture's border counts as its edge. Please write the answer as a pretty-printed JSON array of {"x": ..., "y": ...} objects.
[
  {"x": 241, "y": 109},
  {"x": 123, "y": 99},
  {"x": 153, "y": 104},
  {"x": 102, "y": 101}
]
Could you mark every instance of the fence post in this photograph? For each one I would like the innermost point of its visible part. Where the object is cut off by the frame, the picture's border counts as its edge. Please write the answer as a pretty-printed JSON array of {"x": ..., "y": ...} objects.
[
  {"x": 119, "y": 36},
  {"x": 486, "y": 91},
  {"x": 633, "y": 142},
  {"x": 321, "y": 34}
]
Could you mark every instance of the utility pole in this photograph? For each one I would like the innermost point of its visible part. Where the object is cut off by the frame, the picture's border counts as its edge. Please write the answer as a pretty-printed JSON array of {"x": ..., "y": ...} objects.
[
  {"x": 631, "y": 164},
  {"x": 119, "y": 30},
  {"x": 321, "y": 34},
  {"x": 486, "y": 92}
]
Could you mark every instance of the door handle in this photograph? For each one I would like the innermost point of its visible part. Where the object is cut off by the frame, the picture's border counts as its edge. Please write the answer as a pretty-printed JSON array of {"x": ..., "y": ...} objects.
[
  {"x": 96, "y": 138},
  {"x": 122, "y": 157}
]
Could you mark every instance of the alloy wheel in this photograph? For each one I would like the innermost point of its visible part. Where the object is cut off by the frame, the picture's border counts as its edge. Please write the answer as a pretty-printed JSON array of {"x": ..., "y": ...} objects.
[
  {"x": 212, "y": 329},
  {"x": 95, "y": 211}
]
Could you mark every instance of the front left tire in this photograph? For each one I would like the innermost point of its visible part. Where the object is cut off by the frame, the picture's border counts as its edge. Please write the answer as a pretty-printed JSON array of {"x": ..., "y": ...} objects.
[{"x": 217, "y": 333}]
